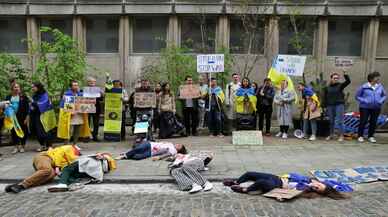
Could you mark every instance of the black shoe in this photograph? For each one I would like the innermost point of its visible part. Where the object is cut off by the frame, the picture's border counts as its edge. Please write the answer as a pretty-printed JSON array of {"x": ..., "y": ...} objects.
[
  {"x": 14, "y": 188},
  {"x": 195, "y": 134},
  {"x": 229, "y": 182},
  {"x": 96, "y": 140},
  {"x": 238, "y": 189}
]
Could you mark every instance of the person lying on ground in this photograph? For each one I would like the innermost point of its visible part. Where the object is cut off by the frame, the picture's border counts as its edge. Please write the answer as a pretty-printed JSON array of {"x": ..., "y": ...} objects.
[
  {"x": 47, "y": 165},
  {"x": 92, "y": 166},
  {"x": 157, "y": 150},
  {"x": 186, "y": 171},
  {"x": 264, "y": 182}
]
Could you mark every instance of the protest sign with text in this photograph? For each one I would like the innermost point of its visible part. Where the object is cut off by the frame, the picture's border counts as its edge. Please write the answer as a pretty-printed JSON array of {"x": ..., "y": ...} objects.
[
  {"x": 145, "y": 100},
  {"x": 343, "y": 62},
  {"x": 210, "y": 63},
  {"x": 291, "y": 65},
  {"x": 79, "y": 104},
  {"x": 92, "y": 92},
  {"x": 189, "y": 91}
]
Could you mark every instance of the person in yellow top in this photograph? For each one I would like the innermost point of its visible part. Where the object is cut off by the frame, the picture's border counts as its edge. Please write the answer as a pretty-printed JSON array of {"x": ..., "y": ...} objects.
[{"x": 47, "y": 165}]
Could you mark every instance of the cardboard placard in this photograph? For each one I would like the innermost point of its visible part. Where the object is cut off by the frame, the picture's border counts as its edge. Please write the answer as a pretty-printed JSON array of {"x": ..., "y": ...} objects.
[
  {"x": 92, "y": 92},
  {"x": 283, "y": 194},
  {"x": 79, "y": 104},
  {"x": 247, "y": 137},
  {"x": 145, "y": 100},
  {"x": 189, "y": 92},
  {"x": 343, "y": 62}
]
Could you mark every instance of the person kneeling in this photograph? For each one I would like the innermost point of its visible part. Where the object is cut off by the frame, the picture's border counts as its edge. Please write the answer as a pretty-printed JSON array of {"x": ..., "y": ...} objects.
[
  {"x": 47, "y": 165},
  {"x": 264, "y": 182},
  {"x": 157, "y": 150},
  {"x": 92, "y": 166}
]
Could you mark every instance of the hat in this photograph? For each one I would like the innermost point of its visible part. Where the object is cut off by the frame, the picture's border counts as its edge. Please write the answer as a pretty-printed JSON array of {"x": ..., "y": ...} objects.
[{"x": 308, "y": 91}]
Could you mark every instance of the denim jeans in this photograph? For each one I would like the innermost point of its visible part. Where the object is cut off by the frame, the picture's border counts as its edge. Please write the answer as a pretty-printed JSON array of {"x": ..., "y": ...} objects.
[
  {"x": 215, "y": 122},
  {"x": 263, "y": 182},
  {"x": 371, "y": 116},
  {"x": 336, "y": 115},
  {"x": 140, "y": 152},
  {"x": 307, "y": 123}
]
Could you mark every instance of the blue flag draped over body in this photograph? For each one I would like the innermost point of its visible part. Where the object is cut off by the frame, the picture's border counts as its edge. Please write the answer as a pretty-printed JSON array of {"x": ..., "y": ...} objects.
[{"x": 241, "y": 93}]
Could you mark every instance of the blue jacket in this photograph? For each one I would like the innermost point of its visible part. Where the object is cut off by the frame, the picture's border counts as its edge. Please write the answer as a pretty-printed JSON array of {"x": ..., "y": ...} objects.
[{"x": 369, "y": 98}]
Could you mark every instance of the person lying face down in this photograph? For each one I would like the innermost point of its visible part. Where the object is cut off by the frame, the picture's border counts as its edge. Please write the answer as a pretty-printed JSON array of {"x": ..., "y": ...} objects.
[
  {"x": 186, "y": 171},
  {"x": 264, "y": 182},
  {"x": 157, "y": 150},
  {"x": 92, "y": 166},
  {"x": 47, "y": 165}
]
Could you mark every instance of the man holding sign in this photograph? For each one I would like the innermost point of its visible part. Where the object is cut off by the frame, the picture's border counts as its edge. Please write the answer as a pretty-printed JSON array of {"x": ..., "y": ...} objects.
[
  {"x": 94, "y": 118},
  {"x": 189, "y": 95}
]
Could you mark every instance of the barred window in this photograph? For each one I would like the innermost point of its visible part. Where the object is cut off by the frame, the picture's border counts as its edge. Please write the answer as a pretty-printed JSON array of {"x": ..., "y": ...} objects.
[
  {"x": 149, "y": 34},
  {"x": 102, "y": 34},
  {"x": 65, "y": 25},
  {"x": 13, "y": 32},
  {"x": 345, "y": 38},
  {"x": 246, "y": 37},
  {"x": 382, "y": 48},
  {"x": 296, "y": 36},
  {"x": 198, "y": 34}
]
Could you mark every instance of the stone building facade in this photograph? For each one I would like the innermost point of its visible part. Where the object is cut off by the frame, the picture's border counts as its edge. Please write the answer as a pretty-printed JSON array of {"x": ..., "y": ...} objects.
[{"x": 123, "y": 36}]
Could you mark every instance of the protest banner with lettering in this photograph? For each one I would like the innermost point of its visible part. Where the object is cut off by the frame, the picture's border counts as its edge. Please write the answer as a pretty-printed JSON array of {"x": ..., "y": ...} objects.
[
  {"x": 291, "y": 65},
  {"x": 247, "y": 137},
  {"x": 210, "y": 63},
  {"x": 79, "y": 104},
  {"x": 189, "y": 91},
  {"x": 113, "y": 115},
  {"x": 343, "y": 62},
  {"x": 145, "y": 100},
  {"x": 92, "y": 92},
  {"x": 69, "y": 103}
]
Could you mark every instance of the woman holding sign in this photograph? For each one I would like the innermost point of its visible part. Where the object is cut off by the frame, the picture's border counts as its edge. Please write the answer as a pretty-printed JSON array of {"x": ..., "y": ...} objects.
[{"x": 167, "y": 111}]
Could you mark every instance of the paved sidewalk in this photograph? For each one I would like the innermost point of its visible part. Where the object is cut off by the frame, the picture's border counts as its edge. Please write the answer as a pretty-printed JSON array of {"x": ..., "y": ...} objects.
[{"x": 275, "y": 156}]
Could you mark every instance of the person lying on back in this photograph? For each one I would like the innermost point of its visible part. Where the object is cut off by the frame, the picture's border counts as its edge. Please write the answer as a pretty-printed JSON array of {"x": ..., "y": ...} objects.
[{"x": 157, "y": 150}]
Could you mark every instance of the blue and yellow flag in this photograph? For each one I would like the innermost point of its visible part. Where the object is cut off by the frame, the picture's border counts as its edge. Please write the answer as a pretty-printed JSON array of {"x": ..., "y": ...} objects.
[
  {"x": 219, "y": 93},
  {"x": 11, "y": 121},
  {"x": 240, "y": 102}
]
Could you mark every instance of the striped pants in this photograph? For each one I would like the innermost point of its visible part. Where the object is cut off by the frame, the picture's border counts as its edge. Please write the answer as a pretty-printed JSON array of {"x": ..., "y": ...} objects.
[{"x": 186, "y": 176}]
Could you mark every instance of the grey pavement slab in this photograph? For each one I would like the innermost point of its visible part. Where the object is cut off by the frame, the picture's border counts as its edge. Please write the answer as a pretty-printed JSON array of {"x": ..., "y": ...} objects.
[{"x": 275, "y": 156}]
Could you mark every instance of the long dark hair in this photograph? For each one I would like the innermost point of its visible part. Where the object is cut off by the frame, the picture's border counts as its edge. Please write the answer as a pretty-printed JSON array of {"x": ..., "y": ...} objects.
[
  {"x": 328, "y": 192},
  {"x": 40, "y": 88},
  {"x": 164, "y": 89},
  {"x": 249, "y": 82}
]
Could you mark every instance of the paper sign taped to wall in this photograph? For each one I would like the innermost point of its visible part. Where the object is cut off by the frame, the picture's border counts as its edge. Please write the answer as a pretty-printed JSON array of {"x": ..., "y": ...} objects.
[
  {"x": 343, "y": 62},
  {"x": 189, "y": 91},
  {"x": 145, "y": 100}
]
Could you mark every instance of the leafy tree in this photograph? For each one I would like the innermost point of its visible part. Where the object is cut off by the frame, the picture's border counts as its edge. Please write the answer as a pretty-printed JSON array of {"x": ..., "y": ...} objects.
[
  {"x": 11, "y": 68},
  {"x": 59, "y": 62}
]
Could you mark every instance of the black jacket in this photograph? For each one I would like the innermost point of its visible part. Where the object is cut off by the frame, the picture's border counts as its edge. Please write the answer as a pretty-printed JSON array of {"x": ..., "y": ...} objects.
[
  {"x": 334, "y": 93},
  {"x": 24, "y": 108}
]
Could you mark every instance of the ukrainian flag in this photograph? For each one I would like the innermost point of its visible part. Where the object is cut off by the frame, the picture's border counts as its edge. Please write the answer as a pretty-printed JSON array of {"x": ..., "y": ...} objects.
[
  {"x": 11, "y": 122},
  {"x": 240, "y": 97},
  {"x": 219, "y": 93}
]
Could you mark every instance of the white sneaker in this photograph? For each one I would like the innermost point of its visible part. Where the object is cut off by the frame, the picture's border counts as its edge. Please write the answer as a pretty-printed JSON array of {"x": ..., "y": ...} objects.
[
  {"x": 208, "y": 186},
  {"x": 58, "y": 188},
  {"x": 341, "y": 139},
  {"x": 313, "y": 138},
  {"x": 16, "y": 150},
  {"x": 329, "y": 138},
  {"x": 372, "y": 139},
  {"x": 195, "y": 188},
  {"x": 360, "y": 139},
  {"x": 284, "y": 136},
  {"x": 279, "y": 134}
]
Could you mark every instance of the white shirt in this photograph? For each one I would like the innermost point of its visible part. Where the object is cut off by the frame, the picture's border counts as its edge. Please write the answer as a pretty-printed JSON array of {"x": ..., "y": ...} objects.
[{"x": 158, "y": 148}]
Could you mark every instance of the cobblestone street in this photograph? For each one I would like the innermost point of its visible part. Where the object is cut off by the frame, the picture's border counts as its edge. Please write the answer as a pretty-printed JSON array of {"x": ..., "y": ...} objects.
[{"x": 153, "y": 200}]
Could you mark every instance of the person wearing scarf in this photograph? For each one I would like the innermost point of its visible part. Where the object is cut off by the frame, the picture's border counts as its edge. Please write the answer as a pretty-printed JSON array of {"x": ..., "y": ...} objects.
[
  {"x": 17, "y": 117},
  {"x": 214, "y": 108},
  {"x": 245, "y": 99},
  {"x": 42, "y": 116},
  {"x": 72, "y": 124}
]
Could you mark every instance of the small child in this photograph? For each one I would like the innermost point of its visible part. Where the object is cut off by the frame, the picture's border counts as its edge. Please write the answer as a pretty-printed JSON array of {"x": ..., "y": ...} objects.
[{"x": 157, "y": 150}]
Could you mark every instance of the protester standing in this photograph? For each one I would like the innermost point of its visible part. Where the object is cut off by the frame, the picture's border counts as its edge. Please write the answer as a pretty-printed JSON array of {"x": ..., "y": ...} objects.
[
  {"x": 41, "y": 121},
  {"x": 190, "y": 111},
  {"x": 94, "y": 118},
  {"x": 125, "y": 99},
  {"x": 284, "y": 99},
  {"x": 334, "y": 100},
  {"x": 167, "y": 111},
  {"x": 18, "y": 112},
  {"x": 214, "y": 107},
  {"x": 156, "y": 120},
  {"x": 371, "y": 97},
  {"x": 230, "y": 92},
  {"x": 204, "y": 88},
  {"x": 311, "y": 111},
  {"x": 265, "y": 95}
]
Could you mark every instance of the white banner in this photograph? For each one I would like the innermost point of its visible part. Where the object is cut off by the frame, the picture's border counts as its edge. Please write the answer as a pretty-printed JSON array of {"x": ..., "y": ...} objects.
[
  {"x": 210, "y": 63},
  {"x": 291, "y": 65}
]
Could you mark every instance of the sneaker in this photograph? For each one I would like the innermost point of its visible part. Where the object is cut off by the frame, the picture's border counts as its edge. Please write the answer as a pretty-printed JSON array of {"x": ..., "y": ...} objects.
[
  {"x": 208, "y": 186},
  {"x": 21, "y": 150},
  {"x": 221, "y": 136},
  {"x": 229, "y": 182},
  {"x": 360, "y": 139},
  {"x": 279, "y": 134},
  {"x": 58, "y": 188},
  {"x": 15, "y": 150},
  {"x": 372, "y": 139},
  {"x": 313, "y": 138},
  {"x": 195, "y": 188},
  {"x": 267, "y": 134},
  {"x": 238, "y": 189},
  {"x": 329, "y": 138},
  {"x": 341, "y": 139},
  {"x": 14, "y": 188},
  {"x": 284, "y": 136}
]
